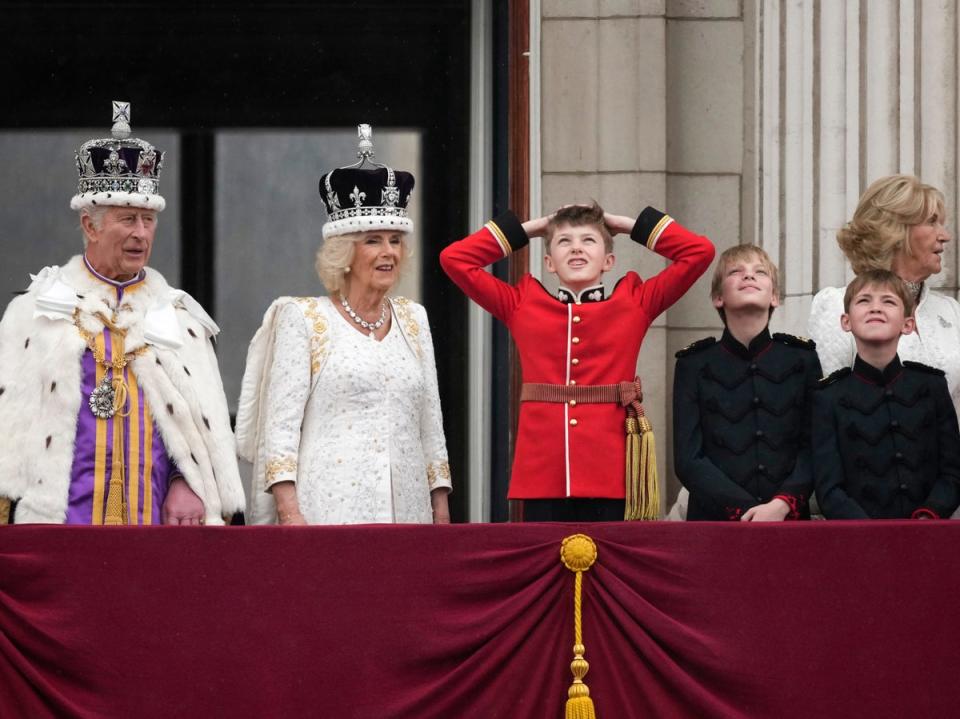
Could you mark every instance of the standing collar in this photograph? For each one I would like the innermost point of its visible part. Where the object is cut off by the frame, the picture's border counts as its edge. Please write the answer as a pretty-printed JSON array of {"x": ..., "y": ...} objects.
[
  {"x": 871, "y": 374},
  {"x": 588, "y": 294},
  {"x": 114, "y": 283},
  {"x": 757, "y": 345}
]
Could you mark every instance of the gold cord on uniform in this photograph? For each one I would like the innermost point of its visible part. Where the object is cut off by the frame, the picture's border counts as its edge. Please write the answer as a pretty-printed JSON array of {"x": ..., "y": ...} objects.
[{"x": 109, "y": 400}]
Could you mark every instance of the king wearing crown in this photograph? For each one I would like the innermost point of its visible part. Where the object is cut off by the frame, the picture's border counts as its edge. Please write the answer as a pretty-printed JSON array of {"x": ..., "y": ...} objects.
[{"x": 110, "y": 394}]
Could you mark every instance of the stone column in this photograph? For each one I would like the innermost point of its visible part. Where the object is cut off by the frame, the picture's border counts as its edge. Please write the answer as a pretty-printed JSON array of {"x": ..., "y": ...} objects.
[
  {"x": 642, "y": 103},
  {"x": 842, "y": 93},
  {"x": 604, "y": 137}
]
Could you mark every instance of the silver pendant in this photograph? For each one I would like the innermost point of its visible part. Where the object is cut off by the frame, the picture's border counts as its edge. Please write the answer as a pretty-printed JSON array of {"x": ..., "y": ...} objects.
[{"x": 101, "y": 399}]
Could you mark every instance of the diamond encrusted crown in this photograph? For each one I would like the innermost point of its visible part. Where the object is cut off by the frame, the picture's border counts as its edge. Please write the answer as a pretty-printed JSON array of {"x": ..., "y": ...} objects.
[
  {"x": 359, "y": 199},
  {"x": 119, "y": 170}
]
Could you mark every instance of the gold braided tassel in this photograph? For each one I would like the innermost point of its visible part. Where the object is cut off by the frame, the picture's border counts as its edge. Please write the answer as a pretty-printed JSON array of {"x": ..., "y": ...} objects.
[
  {"x": 578, "y": 553},
  {"x": 116, "y": 512},
  {"x": 116, "y": 502},
  {"x": 643, "y": 482}
]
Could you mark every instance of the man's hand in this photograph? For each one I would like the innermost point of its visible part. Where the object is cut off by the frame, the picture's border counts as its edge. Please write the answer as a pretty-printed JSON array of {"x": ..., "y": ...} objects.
[
  {"x": 181, "y": 505},
  {"x": 776, "y": 510}
]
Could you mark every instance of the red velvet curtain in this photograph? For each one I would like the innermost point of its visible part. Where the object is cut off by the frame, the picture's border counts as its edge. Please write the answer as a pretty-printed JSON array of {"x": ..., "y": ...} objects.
[{"x": 841, "y": 619}]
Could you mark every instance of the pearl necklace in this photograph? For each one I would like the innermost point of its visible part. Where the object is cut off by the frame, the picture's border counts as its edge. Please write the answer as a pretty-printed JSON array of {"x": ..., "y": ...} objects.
[{"x": 372, "y": 326}]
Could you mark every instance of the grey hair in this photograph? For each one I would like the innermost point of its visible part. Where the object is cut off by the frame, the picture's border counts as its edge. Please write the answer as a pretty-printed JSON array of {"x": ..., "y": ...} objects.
[
  {"x": 96, "y": 215},
  {"x": 336, "y": 255}
]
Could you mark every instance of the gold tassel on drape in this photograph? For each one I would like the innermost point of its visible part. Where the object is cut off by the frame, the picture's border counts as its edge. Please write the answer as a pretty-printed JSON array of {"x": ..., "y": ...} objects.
[
  {"x": 643, "y": 482},
  {"x": 578, "y": 553}
]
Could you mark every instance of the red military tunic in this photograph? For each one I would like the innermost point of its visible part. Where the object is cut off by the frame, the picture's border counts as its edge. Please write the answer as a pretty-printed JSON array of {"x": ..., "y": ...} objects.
[{"x": 570, "y": 450}]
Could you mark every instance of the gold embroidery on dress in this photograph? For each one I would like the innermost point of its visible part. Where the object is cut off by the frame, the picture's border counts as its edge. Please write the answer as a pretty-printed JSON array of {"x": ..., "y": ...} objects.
[
  {"x": 410, "y": 325},
  {"x": 275, "y": 467},
  {"x": 437, "y": 471},
  {"x": 319, "y": 339}
]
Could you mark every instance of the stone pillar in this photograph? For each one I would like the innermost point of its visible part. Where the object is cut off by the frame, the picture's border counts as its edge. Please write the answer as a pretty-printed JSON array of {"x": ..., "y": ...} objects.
[
  {"x": 642, "y": 103},
  {"x": 604, "y": 137},
  {"x": 841, "y": 94},
  {"x": 748, "y": 120},
  {"x": 705, "y": 128}
]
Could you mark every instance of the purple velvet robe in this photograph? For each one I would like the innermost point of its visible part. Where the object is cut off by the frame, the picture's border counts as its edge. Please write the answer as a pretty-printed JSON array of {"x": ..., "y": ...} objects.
[{"x": 147, "y": 468}]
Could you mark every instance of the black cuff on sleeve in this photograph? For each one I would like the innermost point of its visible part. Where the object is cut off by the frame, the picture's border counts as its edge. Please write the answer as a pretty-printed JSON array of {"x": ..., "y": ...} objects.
[
  {"x": 647, "y": 226},
  {"x": 511, "y": 231}
]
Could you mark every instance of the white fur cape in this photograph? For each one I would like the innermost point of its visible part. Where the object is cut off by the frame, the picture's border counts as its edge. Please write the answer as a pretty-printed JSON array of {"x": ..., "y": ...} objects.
[{"x": 40, "y": 375}]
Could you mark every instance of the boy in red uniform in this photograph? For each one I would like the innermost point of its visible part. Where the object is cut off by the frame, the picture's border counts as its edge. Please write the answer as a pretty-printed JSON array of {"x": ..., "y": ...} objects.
[{"x": 578, "y": 350}]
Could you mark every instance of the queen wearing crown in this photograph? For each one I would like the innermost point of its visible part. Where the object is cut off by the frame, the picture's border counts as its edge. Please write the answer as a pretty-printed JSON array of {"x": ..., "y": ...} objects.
[
  {"x": 339, "y": 411},
  {"x": 111, "y": 402}
]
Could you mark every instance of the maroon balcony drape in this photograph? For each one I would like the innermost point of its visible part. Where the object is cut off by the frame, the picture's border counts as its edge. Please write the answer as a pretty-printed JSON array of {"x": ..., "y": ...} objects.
[{"x": 680, "y": 620}]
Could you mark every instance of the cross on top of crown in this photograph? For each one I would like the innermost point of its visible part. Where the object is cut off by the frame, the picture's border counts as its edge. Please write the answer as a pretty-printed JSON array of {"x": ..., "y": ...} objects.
[{"x": 121, "y": 119}]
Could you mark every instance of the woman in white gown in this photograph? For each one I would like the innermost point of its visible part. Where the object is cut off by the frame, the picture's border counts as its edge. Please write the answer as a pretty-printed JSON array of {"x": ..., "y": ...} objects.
[
  {"x": 899, "y": 225},
  {"x": 339, "y": 412}
]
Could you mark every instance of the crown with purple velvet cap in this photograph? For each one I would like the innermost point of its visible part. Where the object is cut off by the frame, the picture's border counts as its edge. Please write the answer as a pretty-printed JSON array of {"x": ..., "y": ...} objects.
[
  {"x": 119, "y": 170},
  {"x": 359, "y": 199}
]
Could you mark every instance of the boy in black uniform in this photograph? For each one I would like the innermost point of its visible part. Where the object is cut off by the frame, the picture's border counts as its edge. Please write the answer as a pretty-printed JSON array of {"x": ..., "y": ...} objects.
[
  {"x": 886, "y": 442},
  {"x": 741, "y": 405}
]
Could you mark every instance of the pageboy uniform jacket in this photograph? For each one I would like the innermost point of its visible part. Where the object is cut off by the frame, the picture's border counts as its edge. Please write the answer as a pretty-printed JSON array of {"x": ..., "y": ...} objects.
[
  {"x": 741, "y": 418},
  {"x": 886, "y": 443},
  {"x": 569, "y": 449}
]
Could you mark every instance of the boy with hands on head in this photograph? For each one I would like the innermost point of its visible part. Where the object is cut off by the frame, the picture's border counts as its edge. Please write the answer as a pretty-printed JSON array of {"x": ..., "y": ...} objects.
[{"x": 578, "y": 351}]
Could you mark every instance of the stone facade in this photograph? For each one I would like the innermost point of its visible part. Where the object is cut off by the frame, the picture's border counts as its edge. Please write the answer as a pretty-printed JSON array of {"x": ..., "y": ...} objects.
[{"x": 749, "y": 121}]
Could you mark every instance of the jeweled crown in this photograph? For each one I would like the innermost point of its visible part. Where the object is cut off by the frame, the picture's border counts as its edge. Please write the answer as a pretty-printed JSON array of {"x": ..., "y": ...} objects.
[
  {"x": 359, "y": 199},
  {"x": 119, "y": 170}
]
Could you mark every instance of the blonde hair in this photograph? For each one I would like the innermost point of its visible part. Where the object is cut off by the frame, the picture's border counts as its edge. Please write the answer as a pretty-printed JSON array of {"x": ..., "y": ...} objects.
[
  {"x": 336, "y": 255},
  {"x": 742, "y": 253},
  {"x": 881, "y": 224}
]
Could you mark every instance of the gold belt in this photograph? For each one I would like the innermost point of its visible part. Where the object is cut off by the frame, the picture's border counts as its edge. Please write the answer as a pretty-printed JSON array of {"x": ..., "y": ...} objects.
[{"x": 623, "y": 393}]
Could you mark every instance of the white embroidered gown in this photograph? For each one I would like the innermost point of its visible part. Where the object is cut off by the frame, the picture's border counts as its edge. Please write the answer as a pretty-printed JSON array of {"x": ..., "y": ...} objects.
[{"x": 366, "y": 444}]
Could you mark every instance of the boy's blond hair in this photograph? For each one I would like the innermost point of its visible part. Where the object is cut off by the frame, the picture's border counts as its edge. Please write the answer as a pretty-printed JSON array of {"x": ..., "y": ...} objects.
[
  {"x": 742, "y": 253},
  {"x": 577, "y": 216},
  {"x": 884, "y": 280}
]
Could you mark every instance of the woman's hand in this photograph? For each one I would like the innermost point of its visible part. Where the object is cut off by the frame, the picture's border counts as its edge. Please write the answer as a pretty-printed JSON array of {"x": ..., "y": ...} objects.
[
  {"x": 291, "y": 519},
  {"x": 441, "y": 509},
  {"x": 288, "y": 506}
]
